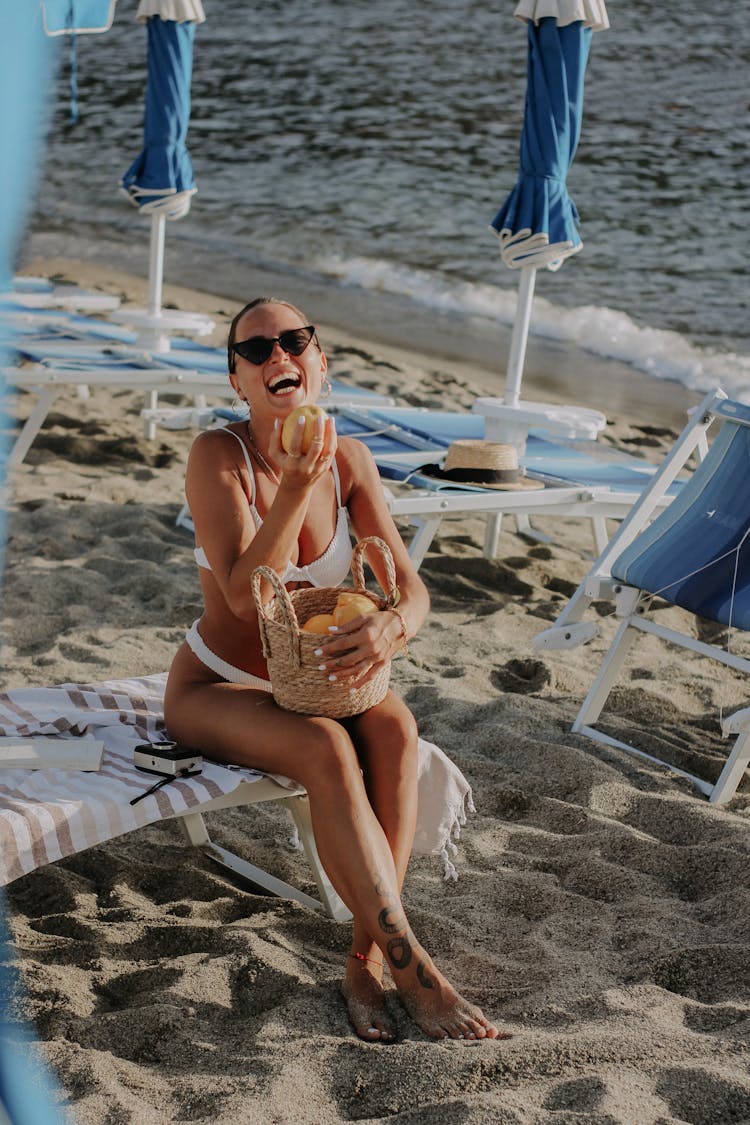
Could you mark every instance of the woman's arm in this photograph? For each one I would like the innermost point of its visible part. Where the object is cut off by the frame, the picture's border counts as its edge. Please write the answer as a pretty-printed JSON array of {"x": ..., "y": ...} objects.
[
  {"x": 221, "y": 514},
  {"x": 360, "y": 647}
]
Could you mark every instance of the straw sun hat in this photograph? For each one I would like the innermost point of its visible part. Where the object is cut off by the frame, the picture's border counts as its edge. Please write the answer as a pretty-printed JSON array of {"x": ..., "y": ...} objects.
[{"x": 489, "y": 464}]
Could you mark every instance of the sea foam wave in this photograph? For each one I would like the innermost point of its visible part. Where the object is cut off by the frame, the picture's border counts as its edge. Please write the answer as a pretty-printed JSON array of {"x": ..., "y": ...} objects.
[{"x": 607, "y": 332}]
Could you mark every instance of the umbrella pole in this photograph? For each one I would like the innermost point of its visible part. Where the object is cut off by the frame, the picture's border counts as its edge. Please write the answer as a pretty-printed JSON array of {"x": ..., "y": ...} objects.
[
  {"x": 160, "y": 340},
  {"x": 520, "y": 335},
  {"x": 156, "y": 265}
]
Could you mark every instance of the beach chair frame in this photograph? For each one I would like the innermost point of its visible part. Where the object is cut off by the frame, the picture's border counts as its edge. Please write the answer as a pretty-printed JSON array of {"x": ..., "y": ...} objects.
[
  {"x": 250, "y": 793},
  {"x": 633, "y": 605},
  {"x": 195, "y": 832}
]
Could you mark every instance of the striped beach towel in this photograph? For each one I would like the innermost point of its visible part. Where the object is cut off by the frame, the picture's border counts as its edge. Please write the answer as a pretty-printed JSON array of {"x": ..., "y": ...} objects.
[{"x": 51, "y": 813}]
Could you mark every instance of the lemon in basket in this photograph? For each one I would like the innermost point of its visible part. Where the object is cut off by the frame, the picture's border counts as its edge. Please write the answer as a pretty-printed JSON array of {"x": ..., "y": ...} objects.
[
  {"x": 351, "y": 605},
  {"x": 320, "y": 623}
]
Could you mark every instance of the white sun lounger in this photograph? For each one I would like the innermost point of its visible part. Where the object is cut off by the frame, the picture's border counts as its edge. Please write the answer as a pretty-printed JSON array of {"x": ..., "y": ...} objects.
[
  {"x": 127, "y": 371},
  {"x": 48, "y": 814},
  {"x": 39, "y": 293}
]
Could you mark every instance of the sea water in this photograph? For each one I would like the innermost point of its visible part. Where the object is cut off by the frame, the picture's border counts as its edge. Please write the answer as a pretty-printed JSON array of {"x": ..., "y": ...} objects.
[{"x": 367, "y": 145}]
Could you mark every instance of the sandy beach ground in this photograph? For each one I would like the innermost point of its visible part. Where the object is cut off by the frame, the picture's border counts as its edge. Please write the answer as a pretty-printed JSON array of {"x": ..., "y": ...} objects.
[{"x": 602, "y": 914}]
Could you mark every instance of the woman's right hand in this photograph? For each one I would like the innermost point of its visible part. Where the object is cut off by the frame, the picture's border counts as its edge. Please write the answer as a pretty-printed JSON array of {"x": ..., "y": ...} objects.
[{"x": 303, "y": 469}]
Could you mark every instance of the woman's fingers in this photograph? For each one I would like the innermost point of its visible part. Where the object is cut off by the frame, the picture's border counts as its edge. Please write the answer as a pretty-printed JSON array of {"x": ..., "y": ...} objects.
[
  {"x": 356, "y": 647},
  {"x": 316, "y": 459}
]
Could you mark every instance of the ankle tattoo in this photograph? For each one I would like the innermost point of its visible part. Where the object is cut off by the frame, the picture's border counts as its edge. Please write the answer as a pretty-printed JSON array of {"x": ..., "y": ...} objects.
[
  {"x": 399, "y": 952},
  {"x": 423, "y": 976}
]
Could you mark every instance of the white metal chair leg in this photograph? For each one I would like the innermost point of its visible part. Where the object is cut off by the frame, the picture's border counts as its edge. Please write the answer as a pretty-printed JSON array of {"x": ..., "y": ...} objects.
[
  {"x": 194, "y": 829},
  {"x": 150, "y": 402},
  {"x": 492, "y": 534},
  {"x": 299, "y": 807},
  {"x": 611, "y": 667},
  {"x": 32, "y": 425},
  {"x": 734, "y": 768},
  {"x": 425, "y": 533},
  {"x": 599, "y": 530}
]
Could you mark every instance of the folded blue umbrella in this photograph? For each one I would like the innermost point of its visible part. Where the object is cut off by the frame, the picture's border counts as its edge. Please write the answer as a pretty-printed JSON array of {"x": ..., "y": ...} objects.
[
  {"x": 538, "y": 222},
  {"x": 160, "y": 180},
  {"x": 66, "y": 17},
  {"x": 72, "y": 18}
]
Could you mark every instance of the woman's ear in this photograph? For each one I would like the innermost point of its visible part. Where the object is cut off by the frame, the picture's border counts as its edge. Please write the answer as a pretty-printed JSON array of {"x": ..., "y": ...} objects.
[{"x": 323, "y": 363}]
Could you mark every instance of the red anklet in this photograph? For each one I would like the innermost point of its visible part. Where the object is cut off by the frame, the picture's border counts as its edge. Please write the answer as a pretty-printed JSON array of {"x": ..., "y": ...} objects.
[{"x": 361, "y": 957}]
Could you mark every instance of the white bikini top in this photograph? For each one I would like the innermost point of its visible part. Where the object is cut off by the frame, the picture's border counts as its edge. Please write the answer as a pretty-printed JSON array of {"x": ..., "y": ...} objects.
[{"x": 334, "y": 564}]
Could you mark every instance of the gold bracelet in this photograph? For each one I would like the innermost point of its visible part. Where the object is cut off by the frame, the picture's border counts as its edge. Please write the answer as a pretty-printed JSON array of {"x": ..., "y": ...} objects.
[{"x": 404, "y": 635}]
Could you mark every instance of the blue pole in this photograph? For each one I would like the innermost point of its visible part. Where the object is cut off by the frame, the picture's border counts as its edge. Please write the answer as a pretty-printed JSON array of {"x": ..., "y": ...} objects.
[{"x": 26, "y": 1093}]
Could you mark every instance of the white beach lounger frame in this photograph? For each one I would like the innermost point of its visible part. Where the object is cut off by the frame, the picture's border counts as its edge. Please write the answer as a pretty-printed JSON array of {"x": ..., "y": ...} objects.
[
  {"x": 425, "y": 509},
  {"x": 250, "y": 793},
  {"x": 59, "y": 810},
  {"x": 48, "y": 382},
  {"x": 633, "y": 606}
]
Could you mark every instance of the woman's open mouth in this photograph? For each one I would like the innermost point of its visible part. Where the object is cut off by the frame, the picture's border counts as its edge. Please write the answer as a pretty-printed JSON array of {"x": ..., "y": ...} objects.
[{"x": 284, "y": 384}]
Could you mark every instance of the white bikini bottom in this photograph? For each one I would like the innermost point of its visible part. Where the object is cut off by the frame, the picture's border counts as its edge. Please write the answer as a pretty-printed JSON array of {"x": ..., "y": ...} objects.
[{"x": 221, "y": 667}]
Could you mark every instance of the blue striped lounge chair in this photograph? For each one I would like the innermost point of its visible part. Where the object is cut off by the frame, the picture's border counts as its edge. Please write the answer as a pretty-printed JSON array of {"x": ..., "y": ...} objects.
[{"x": 693, "y": 554}]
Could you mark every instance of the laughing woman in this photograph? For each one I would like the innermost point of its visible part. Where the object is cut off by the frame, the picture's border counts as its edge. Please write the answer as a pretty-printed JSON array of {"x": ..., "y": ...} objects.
[{"x": 255, "y": 504}]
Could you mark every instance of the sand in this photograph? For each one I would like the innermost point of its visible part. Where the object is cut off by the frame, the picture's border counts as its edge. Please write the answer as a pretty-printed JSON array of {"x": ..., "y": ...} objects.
[{"x": 602, "y": 913}]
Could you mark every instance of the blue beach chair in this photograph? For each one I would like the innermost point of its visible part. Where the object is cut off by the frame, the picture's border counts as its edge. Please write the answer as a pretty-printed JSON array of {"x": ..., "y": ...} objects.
[{"x": 694, "y": 555}]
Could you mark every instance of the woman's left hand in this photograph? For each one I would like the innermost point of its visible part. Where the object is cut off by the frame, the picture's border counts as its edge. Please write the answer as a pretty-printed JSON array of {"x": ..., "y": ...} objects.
[{"x": 358, "y": 650}]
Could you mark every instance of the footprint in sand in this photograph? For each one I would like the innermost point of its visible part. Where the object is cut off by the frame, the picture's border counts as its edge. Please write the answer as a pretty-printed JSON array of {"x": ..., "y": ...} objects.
[{"x": 521, "y": 676}]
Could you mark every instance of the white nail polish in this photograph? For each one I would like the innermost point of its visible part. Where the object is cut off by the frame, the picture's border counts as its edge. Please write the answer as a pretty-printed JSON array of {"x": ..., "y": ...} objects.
[
  {"x": 276, "y": 423},
  {"x": 321, "y": 667},
  {"x": 318, "y": 652},
  {"x": 332, "y": 678},
  {"x": 333, "y": 628}
]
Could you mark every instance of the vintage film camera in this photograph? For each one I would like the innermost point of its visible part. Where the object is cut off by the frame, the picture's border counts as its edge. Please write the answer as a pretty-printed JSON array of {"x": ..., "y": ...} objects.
[{"x": 167, "y": 759}]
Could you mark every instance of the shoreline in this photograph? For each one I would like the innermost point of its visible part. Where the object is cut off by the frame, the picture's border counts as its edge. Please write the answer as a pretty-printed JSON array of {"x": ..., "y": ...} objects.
[{"x": 473, "y": 349}]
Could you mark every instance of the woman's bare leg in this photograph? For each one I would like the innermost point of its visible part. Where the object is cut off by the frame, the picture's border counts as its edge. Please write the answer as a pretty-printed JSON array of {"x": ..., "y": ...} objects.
[
  {"x": 246, "y": 727},
  {"x": 385, "y": 738}
]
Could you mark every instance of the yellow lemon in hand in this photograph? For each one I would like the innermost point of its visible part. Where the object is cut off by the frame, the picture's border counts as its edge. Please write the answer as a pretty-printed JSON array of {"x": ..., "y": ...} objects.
[{"x": 291, "y": 422}]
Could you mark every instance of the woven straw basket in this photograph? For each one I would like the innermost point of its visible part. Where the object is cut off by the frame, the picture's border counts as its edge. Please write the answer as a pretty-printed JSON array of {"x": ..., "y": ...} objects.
[{"x": 296, "y": 680}]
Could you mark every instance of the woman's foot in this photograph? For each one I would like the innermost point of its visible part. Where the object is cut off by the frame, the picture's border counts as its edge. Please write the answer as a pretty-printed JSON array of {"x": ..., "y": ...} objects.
[
  {"x": 439, "y": 1010},
  {"x": 365, "y": 1000}
]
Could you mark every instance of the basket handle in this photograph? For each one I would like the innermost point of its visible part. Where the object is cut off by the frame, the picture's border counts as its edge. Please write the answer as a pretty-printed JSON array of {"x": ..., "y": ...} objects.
[
  {"x": 287, "y": 610},
  {"x": 392, "y": 593}
]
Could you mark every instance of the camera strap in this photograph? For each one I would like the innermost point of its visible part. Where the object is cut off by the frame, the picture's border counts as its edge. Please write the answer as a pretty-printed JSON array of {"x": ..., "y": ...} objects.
[{"x": 164, "y": 781}]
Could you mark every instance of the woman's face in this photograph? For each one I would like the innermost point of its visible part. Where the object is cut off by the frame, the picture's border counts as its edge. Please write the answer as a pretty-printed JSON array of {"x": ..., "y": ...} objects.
[{"x": 283, "y": 381}]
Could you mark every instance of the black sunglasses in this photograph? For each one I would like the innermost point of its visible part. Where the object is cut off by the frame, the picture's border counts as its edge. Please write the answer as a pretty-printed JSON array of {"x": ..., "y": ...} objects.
[{"x": 257, "y": 349}]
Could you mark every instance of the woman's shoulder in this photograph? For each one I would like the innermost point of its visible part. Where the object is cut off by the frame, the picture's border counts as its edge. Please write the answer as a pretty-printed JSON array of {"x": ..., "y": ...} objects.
[
  {"x": 353, "y": 455},
  {"x": 222, "y": 437},
  {"x": 355, "y": 464}
]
